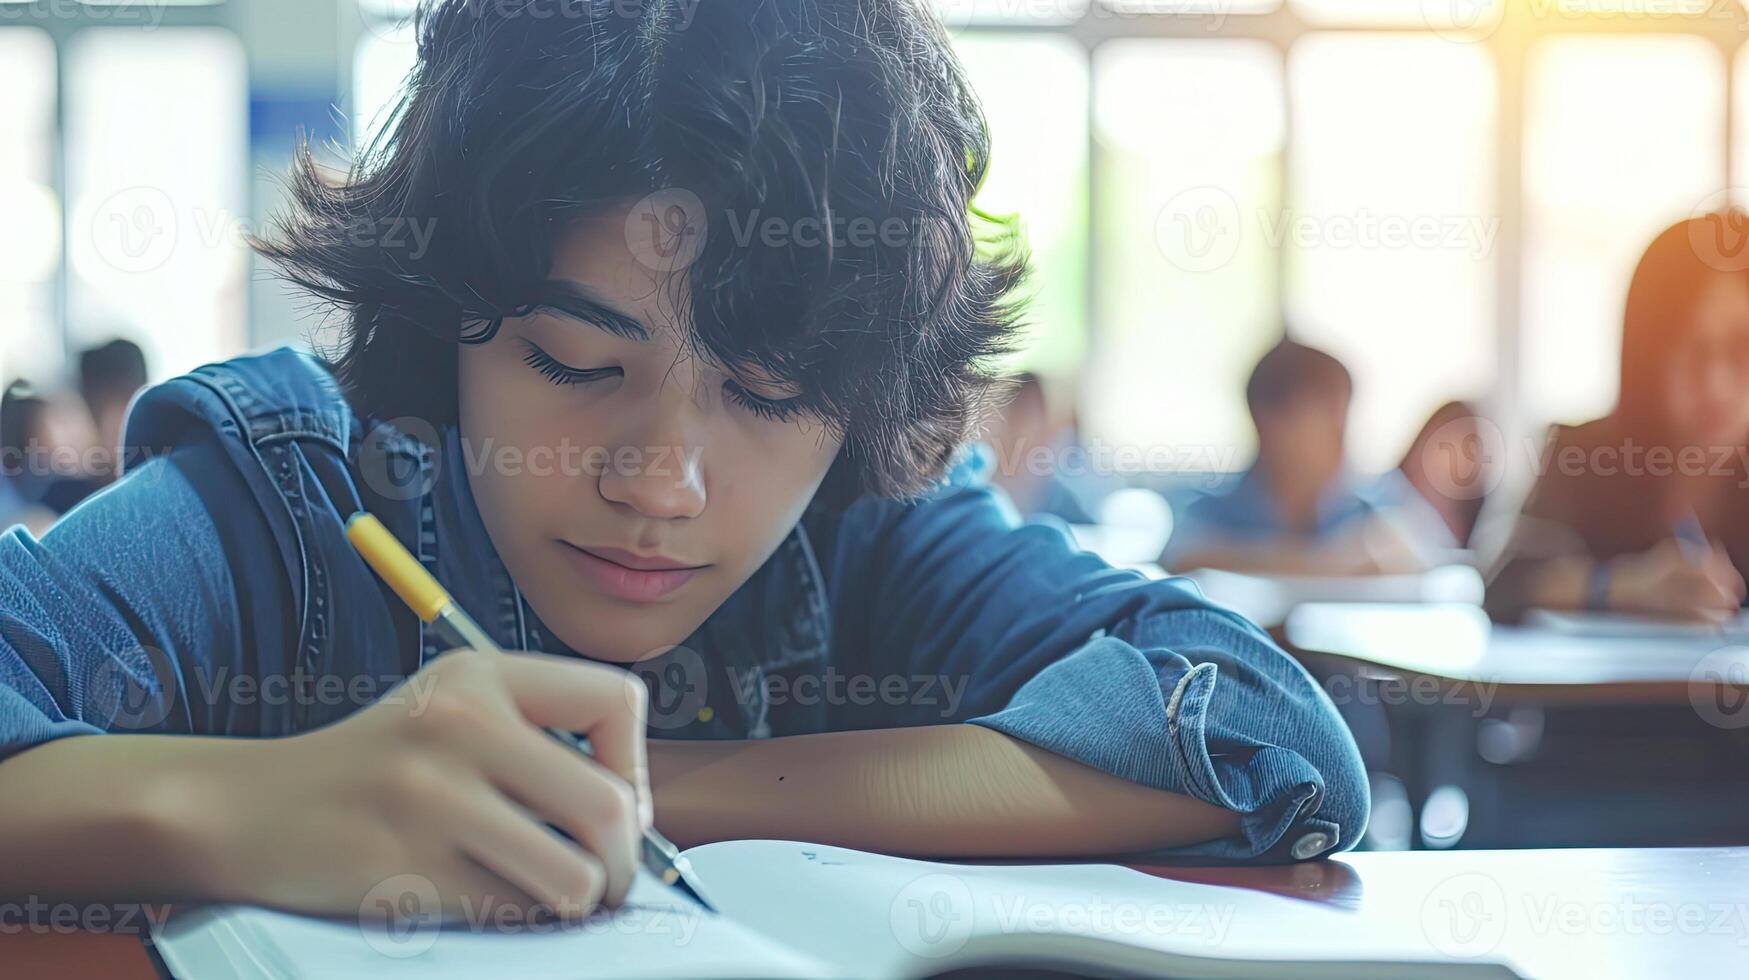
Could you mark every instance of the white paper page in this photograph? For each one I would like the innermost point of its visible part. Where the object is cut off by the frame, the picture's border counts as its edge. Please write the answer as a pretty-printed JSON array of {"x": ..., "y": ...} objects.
[
  {"x": 658, "y": 933},
  {"x": 892, "y": 917}
]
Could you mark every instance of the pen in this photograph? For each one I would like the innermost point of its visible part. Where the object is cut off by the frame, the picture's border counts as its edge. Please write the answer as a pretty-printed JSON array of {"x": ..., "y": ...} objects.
[
  {"x": 1692, "y": 541},
  {"x": 433, "y": 605},
  {"x": 1691, "y": 537}
]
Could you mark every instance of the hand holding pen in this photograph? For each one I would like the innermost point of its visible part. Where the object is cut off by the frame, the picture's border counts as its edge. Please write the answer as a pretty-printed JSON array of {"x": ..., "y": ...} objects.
[
  {"x": 403, "y": 573},
  {"x": 1684, "y": 576}
]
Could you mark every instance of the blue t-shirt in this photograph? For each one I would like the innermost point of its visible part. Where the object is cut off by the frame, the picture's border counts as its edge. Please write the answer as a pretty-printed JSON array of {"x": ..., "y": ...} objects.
[
  {"x": 211, "y": 591},
  {"x": 1247, "y": 513}
]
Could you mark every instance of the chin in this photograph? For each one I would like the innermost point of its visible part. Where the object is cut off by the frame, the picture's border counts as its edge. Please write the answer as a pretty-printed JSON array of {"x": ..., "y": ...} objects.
[{"x": 620, "y": 637}]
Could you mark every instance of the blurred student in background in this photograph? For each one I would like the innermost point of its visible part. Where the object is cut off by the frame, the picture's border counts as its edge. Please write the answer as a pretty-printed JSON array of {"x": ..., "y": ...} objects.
[
  {"x": 1297, "y": 510},
  {"x": 44, "y": 442},
  {"x": 16, "y": 503},
  {"x": 1647, "y": 509},
  {"x": 1031, "y": 439},
  {"x": 109, "y": 376},
  {"x": 1439, "y": 489}
]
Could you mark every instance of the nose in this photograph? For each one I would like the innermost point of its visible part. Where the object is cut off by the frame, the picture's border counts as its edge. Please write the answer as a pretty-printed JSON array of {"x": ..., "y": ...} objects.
[{"x": 659, "y": 473}]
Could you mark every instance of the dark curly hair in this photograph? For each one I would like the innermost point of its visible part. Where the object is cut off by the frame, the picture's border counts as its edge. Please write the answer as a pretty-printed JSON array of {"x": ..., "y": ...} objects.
[{"x": 522, "y": 115}]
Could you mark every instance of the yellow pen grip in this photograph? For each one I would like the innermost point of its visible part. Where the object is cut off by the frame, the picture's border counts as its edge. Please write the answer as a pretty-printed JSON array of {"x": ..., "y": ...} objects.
[{"x": 397, "y": 566}]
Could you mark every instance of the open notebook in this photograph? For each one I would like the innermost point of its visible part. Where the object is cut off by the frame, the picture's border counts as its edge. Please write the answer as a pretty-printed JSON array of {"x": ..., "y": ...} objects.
[{"x": 806, "y": 910}]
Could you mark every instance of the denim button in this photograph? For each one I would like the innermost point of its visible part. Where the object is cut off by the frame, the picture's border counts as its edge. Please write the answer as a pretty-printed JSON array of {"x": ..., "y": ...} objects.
[{"x": 1311, "y": 845}]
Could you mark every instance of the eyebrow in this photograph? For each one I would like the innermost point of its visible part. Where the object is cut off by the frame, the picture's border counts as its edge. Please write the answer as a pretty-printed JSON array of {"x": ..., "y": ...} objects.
[{"x": 579, "y": 302}]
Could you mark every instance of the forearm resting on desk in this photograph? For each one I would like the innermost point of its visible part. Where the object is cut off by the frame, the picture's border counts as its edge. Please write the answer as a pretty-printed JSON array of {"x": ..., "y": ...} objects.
[
  {"x": 95, "y": 818},
  {"x": 942, "y": 790}
]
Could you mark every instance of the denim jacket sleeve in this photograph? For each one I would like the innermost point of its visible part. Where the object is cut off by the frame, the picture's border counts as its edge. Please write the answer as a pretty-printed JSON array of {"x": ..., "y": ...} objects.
[
  {"x": 193, "y": 595},
  {"x": 127, "y": 610},
  {"x": 1146, "y": 680}
]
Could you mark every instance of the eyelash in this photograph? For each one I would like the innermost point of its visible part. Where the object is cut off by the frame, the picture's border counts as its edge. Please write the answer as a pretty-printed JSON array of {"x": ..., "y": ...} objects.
[
  {"x": 563, "y": 374},
  {"x": 772, "y": 410}
]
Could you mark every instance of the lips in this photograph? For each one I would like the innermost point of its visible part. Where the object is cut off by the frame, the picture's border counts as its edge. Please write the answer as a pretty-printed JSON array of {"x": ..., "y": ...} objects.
[{"x": 627, "y": 576}]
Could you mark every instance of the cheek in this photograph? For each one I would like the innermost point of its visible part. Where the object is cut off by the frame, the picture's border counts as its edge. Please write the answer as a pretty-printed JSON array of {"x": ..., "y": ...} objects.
[
  {"x": 508, "y": 431},
  {"x": 759, "y": 491}
]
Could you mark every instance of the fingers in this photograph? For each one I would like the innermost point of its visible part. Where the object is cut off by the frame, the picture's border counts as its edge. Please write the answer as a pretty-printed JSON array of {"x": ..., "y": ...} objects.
[
  {"x": 579, "y": 796},
  {"x": 511, "y": 842},
  {"x": 1724, "y": 572},
  {"x": 1668, "y": 553},
  {"x": 491, "y": 709},
  {"x": 471, "y": 892},
  {"x": 1699, "y": 591},
  {"x": 606, "y": 704},
  {"x": 458, "y": 889}
]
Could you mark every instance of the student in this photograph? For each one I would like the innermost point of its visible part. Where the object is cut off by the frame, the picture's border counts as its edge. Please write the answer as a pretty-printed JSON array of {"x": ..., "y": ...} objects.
[
  {"x": 109, "y": 377},
  {"x": 1436, "y": 494},
  {"x": 656, "y": 451},
  {"x": 1646, "y": 510},
  {"x": 1296, "y": 510},
  {"x": 44, "y": 445},
  {"x": 1030, "y": 440},
  {"x": 15, "y": 506}
]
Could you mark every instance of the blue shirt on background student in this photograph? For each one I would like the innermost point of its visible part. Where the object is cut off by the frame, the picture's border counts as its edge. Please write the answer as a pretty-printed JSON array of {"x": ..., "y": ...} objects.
[{"x": 1247, "y": 512}]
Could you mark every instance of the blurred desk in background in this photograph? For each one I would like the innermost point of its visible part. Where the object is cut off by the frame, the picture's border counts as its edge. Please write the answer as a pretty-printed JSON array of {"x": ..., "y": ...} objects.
[
  {"x": 1456, "y": 645},
  {"x": 1512, "y": 736},
  {"x": 1268, "y": 600}
]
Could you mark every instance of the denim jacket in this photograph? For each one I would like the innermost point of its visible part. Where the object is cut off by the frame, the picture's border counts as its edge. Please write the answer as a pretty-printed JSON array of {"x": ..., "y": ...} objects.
[{"x": 211, "y": 591}]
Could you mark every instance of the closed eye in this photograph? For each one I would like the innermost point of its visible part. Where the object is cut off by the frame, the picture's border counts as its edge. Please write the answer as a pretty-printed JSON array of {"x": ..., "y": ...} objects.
[
  {"x": 774, "y": 409},
  {"x": 560, "y": 373}
]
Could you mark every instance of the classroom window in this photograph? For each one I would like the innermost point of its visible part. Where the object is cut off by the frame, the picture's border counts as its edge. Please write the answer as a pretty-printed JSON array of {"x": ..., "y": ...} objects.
[
  {"x": 157, "y": 149},
  {"x": 959, "y": 13},
  {"x": 1611, "y": 158},
  {"x": 1186, "y": 284},
  {"x": 1218, "y": 8},
  {"x": 385, "y": 56},
  {"x": 1444, "y": 15},
  {"x": 1035, "y": 174},
  {"x": 1740, "y": 126},
  {"x": 1391, "y": 237},
  {"x": 30, "y": 248}
]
